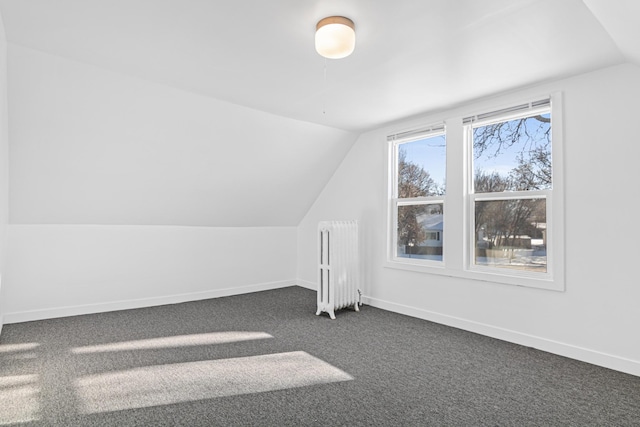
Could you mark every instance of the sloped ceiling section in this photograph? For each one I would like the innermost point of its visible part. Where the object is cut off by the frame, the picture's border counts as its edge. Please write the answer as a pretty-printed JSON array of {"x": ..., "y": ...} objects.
[{"x": 90, "y": 146}]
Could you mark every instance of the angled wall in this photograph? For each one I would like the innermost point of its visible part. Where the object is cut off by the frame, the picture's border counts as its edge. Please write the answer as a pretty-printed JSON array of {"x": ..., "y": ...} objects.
[
  {"x": 90, "y": 146},
  {"x": 127, "y": 193},
  {"x": 596, "y": 318}
]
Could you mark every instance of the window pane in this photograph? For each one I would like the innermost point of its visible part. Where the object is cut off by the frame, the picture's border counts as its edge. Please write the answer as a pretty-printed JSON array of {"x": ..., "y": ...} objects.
[
  {"x": 511, "y": 234},
  {"x": 513, "y": 155},
  {"x": 420, "y": 231},
  {"x": 421, "y": 167}
]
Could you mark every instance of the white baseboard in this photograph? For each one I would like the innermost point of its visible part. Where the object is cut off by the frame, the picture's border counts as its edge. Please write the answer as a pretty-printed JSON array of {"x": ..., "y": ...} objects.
[
  {"x": 306, "y": 284},
  {"x": 573, "y": 352},
  {"x": 51, "y": 313}
]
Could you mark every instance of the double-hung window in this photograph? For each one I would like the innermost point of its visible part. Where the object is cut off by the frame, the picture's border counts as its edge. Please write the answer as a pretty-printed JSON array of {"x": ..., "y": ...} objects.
[
  {"x": 417, "y": 193},
  {"x": 503, "y": 209},
  {"x": 511, "y": 187}
]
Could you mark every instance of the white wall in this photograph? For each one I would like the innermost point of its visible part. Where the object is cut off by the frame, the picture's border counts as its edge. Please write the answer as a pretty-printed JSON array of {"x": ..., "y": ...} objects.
[
  {"x": 4, "y": 161},
  {"x": 596, "y": 319},
  {"x": 61, "y": 270},
  {"x": 126, "y": 193}
]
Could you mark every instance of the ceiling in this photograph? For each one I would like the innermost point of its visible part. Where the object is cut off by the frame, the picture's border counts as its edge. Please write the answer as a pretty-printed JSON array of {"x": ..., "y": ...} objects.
[{"x": 411, "y": 57}]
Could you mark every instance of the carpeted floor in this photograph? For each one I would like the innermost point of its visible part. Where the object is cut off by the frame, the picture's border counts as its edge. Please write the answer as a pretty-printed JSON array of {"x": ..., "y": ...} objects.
[{"x": 265, "y": 359}]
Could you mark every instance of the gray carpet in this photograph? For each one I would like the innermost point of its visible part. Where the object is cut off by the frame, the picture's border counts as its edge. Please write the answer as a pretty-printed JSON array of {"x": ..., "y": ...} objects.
[{"x": 265, "y": 359}]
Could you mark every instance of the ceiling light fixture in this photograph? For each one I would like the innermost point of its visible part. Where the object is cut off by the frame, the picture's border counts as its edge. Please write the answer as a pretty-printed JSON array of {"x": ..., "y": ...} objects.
[{"x": 335, "y": 37}]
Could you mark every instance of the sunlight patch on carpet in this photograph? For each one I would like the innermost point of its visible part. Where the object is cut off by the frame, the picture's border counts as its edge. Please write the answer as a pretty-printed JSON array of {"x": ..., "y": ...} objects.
[
  {"x": 183, "y": 382},
  {"x": 18, "y": 399},
  {"x": 14, "y": 348},
  {"x": 175, "y": 341}
]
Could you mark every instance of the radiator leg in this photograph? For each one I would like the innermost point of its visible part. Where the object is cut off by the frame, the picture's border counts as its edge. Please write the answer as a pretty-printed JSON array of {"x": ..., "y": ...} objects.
[
  {"x": 356, "y": 306},
  {"x": 318, "y": 312},
  {"x": 332, "y": 314}
]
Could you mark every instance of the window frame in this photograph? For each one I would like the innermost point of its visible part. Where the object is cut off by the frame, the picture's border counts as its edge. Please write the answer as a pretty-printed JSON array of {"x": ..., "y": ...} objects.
[
  {"x": 394, "y": 142},
  {"x": 459, "y": 201},
  {"x": 474, "y": 197}
]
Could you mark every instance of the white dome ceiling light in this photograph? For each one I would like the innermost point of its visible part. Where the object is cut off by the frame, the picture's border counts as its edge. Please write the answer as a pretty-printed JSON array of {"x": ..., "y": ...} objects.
[{"x": 335, "y": 37}]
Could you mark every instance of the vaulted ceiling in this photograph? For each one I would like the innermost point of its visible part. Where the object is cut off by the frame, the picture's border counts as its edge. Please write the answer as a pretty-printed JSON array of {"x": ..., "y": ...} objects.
[{"x": 412, "y": 56}]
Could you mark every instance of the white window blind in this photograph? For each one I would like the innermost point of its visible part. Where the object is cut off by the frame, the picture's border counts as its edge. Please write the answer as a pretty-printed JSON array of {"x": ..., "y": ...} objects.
[{"x": 515, "y": 110}]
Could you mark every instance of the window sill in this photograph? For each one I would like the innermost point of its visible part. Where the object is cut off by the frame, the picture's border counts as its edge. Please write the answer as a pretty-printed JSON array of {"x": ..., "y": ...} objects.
[{"x": 497, "y": 277}]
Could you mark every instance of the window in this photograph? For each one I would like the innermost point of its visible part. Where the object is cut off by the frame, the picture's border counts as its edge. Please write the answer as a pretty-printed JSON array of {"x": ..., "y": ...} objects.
[
  {"x": 512, "y": 180},
  {"x": 434, "y": 235},
  {"x": 418, "y": 170},
  {"x": 504, "y": 216}
]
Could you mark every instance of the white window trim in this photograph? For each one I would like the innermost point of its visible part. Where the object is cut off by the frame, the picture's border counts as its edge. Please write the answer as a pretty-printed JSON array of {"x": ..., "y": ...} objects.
[
  {"x": 393, "y": 201},
  {"x": 458, "y": 237}
]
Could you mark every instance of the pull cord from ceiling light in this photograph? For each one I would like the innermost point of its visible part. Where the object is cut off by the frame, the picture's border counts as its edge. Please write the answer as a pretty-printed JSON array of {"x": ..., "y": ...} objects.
[
  {"x": 335, "y": 39},
  {"x": 324, "y": 89}
]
